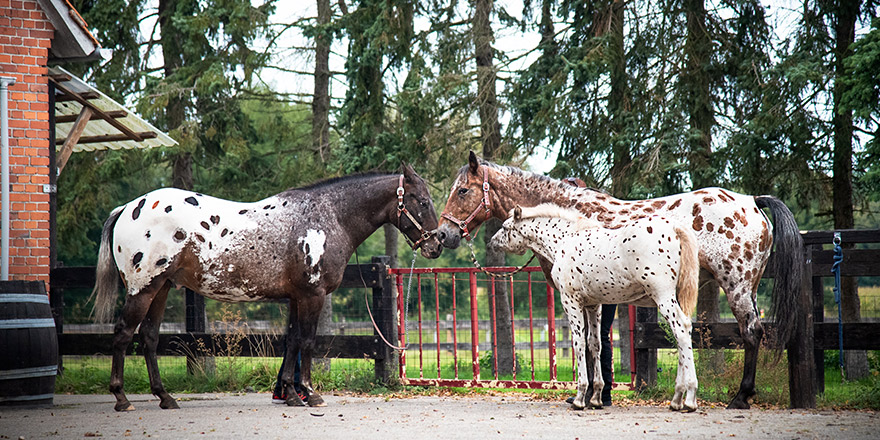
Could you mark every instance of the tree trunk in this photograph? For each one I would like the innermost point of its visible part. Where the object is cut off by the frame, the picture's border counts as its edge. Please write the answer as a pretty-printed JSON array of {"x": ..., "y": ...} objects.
[
  {"x": 490, "y": 134},
  {"x": 321, "y": 99},
  {"x": 623, "y": 341},
  {"x": 855, "y": 361},
  {"x": 618, "y": 106},
  {"x": 321, "y": 139},
  {"x": 697, "y": 92},
  {"x": 621, "y": 173},
  {"x": 175, "y": 110},
  {"x": 391, "y": 240}
]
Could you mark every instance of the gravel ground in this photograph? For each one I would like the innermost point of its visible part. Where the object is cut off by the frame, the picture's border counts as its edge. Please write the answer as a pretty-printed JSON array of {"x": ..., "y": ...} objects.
[{"x": 422, "y": 417}]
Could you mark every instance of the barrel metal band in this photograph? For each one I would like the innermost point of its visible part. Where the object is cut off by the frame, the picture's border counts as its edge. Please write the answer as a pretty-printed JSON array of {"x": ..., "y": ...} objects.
[
  {"x": 25, "y": 373},
  {"x": 23, "y": 297},
  {"x": 26, "y": 323}
]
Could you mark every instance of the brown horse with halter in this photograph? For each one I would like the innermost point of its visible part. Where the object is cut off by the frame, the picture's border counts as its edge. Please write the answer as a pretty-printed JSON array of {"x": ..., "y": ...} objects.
[
  {"x": 292, "y": 245},
  {"x": 734, "y": 237}
]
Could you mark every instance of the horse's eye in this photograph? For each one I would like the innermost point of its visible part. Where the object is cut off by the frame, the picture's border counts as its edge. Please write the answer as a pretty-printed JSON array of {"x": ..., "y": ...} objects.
[{"x": 462, "y": 191}]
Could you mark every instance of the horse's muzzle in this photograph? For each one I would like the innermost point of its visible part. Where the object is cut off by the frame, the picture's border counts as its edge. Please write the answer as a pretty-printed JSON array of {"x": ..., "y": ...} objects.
[
  {"x": 431, "y": 247},
  {"x": 449, "y": 236}
]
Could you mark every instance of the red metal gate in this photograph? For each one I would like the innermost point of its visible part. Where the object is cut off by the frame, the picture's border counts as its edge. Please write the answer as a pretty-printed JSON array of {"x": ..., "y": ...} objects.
[{"x": 447, "y": 352}]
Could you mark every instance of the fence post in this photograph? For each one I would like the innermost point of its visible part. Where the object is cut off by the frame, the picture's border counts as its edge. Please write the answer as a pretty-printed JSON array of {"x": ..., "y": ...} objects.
[
  {"x": 56, "y": 302},
  {"x": 385, "y": 305},
  {"x": 646, "y": 358},
  {"x": 801, "y": 366},
  {"x": 818, "y": 316},
  {"x": 195, "y": 322}
]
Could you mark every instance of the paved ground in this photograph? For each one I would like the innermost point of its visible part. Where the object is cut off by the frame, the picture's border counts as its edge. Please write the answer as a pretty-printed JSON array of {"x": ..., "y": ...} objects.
[{"x": 423, "y": 417}]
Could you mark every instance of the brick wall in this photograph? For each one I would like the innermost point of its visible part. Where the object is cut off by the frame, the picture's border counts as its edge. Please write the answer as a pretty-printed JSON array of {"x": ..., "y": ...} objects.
[{"x": 25, "y": 38}]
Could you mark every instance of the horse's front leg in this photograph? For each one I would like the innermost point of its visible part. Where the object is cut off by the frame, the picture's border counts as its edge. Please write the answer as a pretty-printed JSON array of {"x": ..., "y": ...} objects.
[
  {"x": 578, "y": 334},
  {"x": 309, "y": 310},
  {"x": 291, "y": 354},
  {"x": 594, "y": 318}
]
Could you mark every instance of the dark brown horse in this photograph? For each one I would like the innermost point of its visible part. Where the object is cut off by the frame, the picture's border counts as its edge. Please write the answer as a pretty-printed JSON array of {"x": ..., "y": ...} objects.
[
  {"x": 734, "y": 236},
  {"x": 292, "y": 245}
]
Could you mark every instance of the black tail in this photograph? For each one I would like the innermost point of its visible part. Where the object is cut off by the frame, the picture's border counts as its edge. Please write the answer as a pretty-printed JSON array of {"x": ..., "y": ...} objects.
[
  {"x": 106, "y": 273},
  {"x": 788, "y": 268}
]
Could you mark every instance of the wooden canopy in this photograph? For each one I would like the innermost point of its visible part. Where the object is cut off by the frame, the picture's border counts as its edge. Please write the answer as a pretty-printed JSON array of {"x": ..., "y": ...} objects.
[{"x": 88, "y": 120}]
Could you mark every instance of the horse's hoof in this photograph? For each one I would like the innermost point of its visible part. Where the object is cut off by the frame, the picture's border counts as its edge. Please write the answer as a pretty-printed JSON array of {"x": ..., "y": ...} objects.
[
  {"x": 577, "y": 407},
  {"x": 689, "y": 409},
  {"x": 169, "y": 404},
  {"x": 124, "y": 406},
  {"x": 738, "y": 404},
  {"x": 294, "y": 401},
  {"x": 316, "y": 401}
]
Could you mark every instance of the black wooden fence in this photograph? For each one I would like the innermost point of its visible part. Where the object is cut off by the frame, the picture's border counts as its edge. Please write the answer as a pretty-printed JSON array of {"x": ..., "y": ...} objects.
[
  {"x": 374, "y": 276},
  {"x": 813, "y": 335},
  {"x": 805, "y": 352}
]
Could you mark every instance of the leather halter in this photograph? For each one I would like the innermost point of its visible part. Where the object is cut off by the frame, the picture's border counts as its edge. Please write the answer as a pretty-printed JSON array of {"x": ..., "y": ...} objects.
[
  {"x": 484, "y": 204},
  {"x": 401, "y": 210}
]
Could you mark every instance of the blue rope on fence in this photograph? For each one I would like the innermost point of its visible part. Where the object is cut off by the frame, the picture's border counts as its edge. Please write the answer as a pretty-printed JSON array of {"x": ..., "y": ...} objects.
[{"x": 835, "y": 269}]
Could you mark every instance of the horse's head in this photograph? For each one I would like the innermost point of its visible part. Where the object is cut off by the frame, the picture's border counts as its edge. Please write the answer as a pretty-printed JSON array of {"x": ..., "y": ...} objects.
[
  {"x": 509, "y": 238},
  {"x": 468, "y": 205},
  {"x": 417, "y": 219}
]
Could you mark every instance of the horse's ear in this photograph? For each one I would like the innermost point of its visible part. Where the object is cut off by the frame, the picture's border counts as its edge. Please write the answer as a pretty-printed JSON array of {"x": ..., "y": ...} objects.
[
  {"x": 517, "y": 213},
  {"x": 408, "y": 171},
  {"x": 473, "y": 162}
]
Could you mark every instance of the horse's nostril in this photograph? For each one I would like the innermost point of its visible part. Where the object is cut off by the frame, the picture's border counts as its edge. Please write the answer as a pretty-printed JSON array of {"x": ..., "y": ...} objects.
[{"x": 441, "y": 235}]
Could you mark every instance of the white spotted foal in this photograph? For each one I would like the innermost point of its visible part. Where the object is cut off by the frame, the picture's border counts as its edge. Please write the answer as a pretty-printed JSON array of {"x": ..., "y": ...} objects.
[{"x": 643, "y": 262}]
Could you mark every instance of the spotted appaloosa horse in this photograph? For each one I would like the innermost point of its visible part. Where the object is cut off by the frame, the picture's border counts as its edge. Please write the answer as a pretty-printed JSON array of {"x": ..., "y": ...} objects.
[
  {"x": 643, "y": 262},
  {"x": 733, "y": 234},
  {"x": 293, "y": 245}
]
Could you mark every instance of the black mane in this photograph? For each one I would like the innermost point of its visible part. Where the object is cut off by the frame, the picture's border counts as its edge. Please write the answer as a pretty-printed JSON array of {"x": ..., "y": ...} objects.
[{"x": 335, "y": 180}]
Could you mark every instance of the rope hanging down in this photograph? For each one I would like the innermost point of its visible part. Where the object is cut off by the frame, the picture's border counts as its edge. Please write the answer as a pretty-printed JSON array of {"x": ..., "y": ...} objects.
[{"x": 835, "y": 269}]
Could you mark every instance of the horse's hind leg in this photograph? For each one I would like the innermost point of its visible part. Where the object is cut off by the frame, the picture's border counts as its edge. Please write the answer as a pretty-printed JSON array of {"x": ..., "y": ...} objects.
[
  {"x": 575, "y": 315},
  {"x": 685, "y": 397},
  {"x": 150, "y": 332},
  {"x": 594, "y": 324},
  {"x": 752, "y": 332},
  {"x": 133, "y": 313}
]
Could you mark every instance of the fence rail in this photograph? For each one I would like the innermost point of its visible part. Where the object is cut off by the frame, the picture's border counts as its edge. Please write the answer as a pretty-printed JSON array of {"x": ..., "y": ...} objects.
[{"x": 196, "y": 339}]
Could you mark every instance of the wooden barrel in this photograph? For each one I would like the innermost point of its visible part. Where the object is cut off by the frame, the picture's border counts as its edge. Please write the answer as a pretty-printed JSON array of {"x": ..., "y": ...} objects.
[{"x": 28, "y": 345}]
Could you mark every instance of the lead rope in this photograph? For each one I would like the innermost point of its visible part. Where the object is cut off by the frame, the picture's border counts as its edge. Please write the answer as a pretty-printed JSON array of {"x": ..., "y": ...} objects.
[
  {"x": 835, "y": 269},
  {"x": 412, "y": 268}
]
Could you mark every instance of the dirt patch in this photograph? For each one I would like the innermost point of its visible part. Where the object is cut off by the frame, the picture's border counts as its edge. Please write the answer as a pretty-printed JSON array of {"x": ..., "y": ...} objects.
[{"x": 421, "y": 417}]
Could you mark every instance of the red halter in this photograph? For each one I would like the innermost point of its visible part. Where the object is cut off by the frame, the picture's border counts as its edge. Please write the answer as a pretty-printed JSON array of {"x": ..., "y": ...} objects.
[
  {"x": 401, "y": 209},
  {"x": 484, "y": 204}
]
